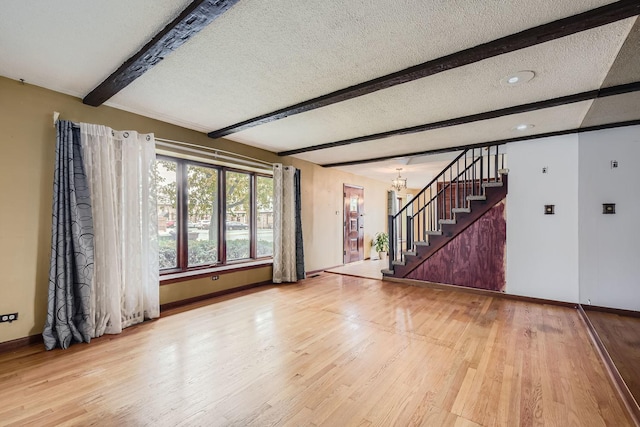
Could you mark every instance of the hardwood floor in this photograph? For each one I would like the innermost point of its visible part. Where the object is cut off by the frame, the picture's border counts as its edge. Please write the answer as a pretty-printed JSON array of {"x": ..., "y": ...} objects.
[
  {"x": 333, "y": 350},
  {"x": 621, "y": 337}
]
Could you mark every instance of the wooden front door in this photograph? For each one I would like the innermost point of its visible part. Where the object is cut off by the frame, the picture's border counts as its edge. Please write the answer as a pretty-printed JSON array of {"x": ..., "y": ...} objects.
[{"x": 353, "y": 223}]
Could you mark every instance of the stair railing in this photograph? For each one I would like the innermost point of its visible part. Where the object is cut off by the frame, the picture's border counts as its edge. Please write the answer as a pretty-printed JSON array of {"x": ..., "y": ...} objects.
[{"x": 438, "y": 201}]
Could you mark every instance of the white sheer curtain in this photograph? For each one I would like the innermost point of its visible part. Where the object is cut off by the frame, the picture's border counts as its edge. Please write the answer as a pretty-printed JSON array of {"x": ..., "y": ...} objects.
[
  {"x": 120, "y": 168},
  {"x": 284, "y": 224}
]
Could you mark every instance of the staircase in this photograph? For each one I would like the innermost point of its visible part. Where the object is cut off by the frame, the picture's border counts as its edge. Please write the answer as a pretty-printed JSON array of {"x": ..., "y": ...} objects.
[{"x": 458, "y": 196}]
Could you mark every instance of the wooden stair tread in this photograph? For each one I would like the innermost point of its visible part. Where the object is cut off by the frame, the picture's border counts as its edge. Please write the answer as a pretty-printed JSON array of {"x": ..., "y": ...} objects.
[{"x": 461, "y": 210}]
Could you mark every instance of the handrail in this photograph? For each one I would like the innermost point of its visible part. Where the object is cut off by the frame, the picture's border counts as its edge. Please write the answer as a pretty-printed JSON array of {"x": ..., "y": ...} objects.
[
  {"x": 443, "y": 188},
  {"x": 433, "y": 180},
  {"x": 435, "y": 203}
]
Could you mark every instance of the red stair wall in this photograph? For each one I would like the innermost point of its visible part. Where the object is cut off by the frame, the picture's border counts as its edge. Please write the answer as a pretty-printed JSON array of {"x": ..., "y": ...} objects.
[{"x": 475, "y": 258}]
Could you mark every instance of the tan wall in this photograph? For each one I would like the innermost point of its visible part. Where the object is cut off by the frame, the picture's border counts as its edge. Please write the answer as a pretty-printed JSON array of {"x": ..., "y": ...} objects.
[
  {"x": 322, "y": 212},
  {"x": 27, "y": 144},
  {"x": 184, "y": 290}
]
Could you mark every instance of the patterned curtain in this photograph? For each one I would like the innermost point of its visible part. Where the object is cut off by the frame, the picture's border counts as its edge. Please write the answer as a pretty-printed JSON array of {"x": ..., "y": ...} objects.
[
  {"x": 71, "y": 268},
  {"x": 104, "y": 257},
  {"x": 300, "y": 273},
  {"x": 286, "y": 232}
]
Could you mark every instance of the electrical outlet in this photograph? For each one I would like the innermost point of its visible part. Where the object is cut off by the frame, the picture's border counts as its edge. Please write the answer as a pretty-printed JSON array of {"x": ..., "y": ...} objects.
[
  {"x": 8, "y": 317},
  {"x": 215, "y": 277},
  {"x": 614, "y": 164},
  {"x": 545, "y": 169}
]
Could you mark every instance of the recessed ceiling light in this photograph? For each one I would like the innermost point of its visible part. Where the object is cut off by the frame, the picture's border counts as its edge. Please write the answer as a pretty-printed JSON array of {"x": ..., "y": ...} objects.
[
  {"x": 523, "y": 127},
  {"x": 518, "y": 78}
]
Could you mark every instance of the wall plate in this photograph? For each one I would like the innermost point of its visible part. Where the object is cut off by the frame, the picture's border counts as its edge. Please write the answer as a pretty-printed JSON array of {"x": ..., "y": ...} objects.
[
  {"x": 608, "y": 208},
  {"x": 10, "y": 317}
]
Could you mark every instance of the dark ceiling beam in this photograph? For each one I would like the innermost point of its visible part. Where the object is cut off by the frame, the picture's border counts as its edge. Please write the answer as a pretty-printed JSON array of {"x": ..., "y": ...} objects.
[
  {"x": 517, "y": 109},
  {"x": 485, "y": 144},
  {"x": 194, "y": 18},
  {"x": 561, "y": 28}
]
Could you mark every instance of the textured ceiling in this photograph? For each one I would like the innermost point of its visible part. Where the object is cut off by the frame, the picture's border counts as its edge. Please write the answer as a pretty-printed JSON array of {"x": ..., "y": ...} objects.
[
  {"x": 547, "y": 120},
  {"x": 418, "y": 170},
  {"x": 559, "y": 65},
  {"x": 261, "y": 56},
  {"x": 72, "y": 45}
]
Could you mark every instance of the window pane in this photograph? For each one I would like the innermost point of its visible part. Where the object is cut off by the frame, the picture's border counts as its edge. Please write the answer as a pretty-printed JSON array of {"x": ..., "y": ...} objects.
[
  {"x": 264, "y": 193},
  {"x": 237, "y": 216},
  {"x": 202, "y": 193},
  {"x": 167, "y": 213}
]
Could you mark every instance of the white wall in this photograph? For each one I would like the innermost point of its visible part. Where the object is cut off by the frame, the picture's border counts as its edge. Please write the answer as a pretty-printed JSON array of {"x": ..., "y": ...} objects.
[
  {"x": 610, "y": 244},
  {"x": 542, "y": 250}
]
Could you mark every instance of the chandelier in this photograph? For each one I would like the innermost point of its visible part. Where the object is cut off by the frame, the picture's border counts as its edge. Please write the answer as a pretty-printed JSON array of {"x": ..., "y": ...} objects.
[{"x": 399, "y": 183}]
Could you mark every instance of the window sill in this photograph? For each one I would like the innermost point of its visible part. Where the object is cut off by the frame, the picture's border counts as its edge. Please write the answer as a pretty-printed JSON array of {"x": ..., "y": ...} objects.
[{"x": 182, "y": 276}]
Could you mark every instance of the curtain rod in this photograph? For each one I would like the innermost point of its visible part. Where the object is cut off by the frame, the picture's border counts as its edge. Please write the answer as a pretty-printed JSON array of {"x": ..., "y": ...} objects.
[
  {"x": 216, "y": 153},
  {"x": 200, "y": 149}
]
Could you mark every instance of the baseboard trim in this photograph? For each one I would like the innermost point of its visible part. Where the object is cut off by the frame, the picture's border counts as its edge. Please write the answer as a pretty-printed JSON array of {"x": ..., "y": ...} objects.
[
  {"x": 175, "y": 307},
  {"x": 477, "y": 291},
  {"x": 8, "y": 346},
  {"x": 614, "y": 375},
  {"x": 322, "y": 270},
  {"x": 618, "y": 311}
]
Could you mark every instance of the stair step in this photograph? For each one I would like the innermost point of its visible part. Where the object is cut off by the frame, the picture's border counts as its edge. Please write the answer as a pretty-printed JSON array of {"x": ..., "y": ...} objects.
[
  {"x": 399, "y": 263},
  {"x": 447, "y": 221},
  {"x": 387, "y": 272},
  {"x": 461, "y": 210},
  {"x": 492, "y": 184},
  {"x": 433, "y": 232},
  {"x": 410, "y": 253},
  {"x": 421, "y": 243},
  {"x": 476, "y": 197}
]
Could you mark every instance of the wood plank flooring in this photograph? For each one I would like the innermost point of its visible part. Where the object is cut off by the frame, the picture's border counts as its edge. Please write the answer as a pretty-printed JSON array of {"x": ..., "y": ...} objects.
[
  {"x": 621, "y": 337},
  {"x": 333, "y": 350}
]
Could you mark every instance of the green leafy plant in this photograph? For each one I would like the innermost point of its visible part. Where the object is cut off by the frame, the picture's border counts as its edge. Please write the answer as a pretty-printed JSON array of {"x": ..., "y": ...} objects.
[{"x": 380, "y": 242}]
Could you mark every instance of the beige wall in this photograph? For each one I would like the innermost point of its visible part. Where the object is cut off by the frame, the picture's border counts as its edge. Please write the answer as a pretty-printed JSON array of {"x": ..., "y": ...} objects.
[
  {"x": 27, "y": 144},
  {"x": 322, "y": 212}
]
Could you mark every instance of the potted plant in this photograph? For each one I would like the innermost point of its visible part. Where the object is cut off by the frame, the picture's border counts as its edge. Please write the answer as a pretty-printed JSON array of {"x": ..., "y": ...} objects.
[{"x": 380, "y": 243}]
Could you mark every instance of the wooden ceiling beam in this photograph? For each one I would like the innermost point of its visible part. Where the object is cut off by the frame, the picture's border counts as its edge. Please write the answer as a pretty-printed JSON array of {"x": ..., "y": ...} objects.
[
  {"x": 191, "y": 20},
  {"x": 543, "y": 33},
  {"x": 517, "y": 109},
  {"x": 485, "y": 144}
]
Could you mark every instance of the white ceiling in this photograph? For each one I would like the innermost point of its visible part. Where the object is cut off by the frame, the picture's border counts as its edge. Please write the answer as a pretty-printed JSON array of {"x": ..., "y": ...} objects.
[
  {"x": 72, "y": 45},
  {"x": 548, "y": 120},
  {"x": 261, "y": 56}
]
